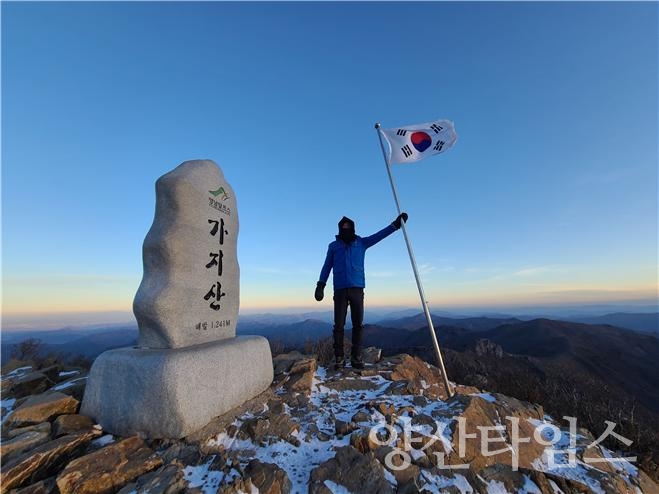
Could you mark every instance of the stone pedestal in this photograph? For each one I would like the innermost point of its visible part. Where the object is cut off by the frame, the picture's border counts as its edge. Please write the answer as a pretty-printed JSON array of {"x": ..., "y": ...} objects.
[{"x": 170, "y": 393}]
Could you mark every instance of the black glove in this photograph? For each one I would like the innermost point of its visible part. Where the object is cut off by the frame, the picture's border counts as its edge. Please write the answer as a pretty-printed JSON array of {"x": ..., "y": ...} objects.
[
  {"x": 397, "y": 221},
  {"x": 320, "y": 286}
]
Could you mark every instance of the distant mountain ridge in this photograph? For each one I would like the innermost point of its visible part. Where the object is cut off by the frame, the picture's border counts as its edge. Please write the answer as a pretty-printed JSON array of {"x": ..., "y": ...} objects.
[
  {"x": 647, "y": 323},
  {"x": 297, "y": 329},
  {"x": 291, "y": 334},
  {"x": 469, "y": 323},
  {"x": 623, "y": 358},
  {"x": 64, "y": 334},
  {"x": 72, "y": 343},
  {"x": 642, "y": 322}
]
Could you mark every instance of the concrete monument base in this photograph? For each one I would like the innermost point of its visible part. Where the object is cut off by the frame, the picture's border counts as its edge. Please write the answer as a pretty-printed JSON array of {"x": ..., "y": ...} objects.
[{"x": 170, "y": 393}]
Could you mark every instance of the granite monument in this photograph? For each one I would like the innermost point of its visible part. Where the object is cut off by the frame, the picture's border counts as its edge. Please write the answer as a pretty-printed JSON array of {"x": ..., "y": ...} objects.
[{"x": 189, "y": 366}]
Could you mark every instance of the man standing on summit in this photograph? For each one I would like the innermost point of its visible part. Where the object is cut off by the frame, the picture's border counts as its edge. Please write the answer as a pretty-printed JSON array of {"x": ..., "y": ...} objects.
[{"x": 345, "y": 257}]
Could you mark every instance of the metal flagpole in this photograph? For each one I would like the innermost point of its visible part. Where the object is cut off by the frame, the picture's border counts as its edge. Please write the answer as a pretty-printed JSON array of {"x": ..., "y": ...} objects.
[{"x": 424, "y": 302}]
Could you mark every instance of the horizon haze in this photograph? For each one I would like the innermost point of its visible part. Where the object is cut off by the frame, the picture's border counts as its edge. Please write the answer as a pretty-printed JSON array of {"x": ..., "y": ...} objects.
[{"x": 102, "y": 320}]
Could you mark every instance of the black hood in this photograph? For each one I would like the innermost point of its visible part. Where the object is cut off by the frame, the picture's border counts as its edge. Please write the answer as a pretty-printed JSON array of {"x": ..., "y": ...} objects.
[
  {"x": 345, "y": 219},
  {"x": 347, "y": 235}
]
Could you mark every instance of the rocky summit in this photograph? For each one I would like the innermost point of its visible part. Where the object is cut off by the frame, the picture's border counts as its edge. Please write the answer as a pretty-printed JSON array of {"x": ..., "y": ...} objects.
[{"x": 390, "y": 428}]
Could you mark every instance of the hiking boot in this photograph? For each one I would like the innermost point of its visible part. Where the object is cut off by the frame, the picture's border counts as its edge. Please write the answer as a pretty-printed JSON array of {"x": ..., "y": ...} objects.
[
  {"x": 339, "y": 363},
  {"x": 357, "y": 363}
]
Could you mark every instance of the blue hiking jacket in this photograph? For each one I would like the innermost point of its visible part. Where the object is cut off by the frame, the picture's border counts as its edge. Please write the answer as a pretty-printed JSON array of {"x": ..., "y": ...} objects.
[{"x": 346, "y": 261}]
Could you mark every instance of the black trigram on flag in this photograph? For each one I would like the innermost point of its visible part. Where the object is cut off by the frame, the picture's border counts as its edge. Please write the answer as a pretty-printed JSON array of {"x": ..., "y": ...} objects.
[
  {"x": 439, "y": 145},
  {"x": 436, "y": 128},
  {"x": 401, "y": 132},
  {"x": 406, "y": 151}
]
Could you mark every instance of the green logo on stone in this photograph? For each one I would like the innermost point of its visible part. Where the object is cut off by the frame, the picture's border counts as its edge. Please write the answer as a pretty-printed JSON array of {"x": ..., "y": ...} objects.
[{"x": 219, "y": 191}]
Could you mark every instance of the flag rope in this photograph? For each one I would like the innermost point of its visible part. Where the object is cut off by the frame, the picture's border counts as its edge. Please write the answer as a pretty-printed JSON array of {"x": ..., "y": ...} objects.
[{"x": 424, "y": 302}]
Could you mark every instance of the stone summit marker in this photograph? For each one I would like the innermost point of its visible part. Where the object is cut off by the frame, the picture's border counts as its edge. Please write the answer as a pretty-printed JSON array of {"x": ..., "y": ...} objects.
[{"x": 189, "y": 366}]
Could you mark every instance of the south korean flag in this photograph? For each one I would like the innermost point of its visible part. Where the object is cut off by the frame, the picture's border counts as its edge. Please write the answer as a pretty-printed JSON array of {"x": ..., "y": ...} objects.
[{"x": 415, "y": 142}]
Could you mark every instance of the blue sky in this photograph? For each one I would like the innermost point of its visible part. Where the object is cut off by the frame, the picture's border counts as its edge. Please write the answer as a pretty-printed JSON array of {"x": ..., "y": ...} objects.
[{"x": 549, "y": 196}]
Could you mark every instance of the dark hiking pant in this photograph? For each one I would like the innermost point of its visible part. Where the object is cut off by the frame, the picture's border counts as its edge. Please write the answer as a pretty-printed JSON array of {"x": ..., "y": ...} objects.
[{"x": 353, "y": 297}]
